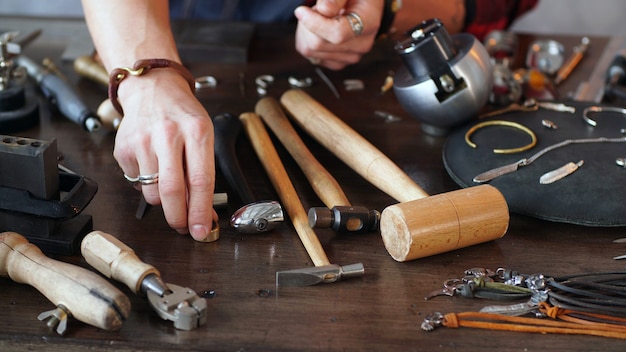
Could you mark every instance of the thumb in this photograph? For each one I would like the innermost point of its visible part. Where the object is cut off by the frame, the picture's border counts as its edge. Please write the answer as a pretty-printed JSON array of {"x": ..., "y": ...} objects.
[{"x": 330, "y": 8}]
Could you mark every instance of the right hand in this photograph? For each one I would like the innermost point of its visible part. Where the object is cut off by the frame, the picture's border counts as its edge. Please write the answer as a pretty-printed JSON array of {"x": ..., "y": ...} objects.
[{"x": 165, "y": 129}]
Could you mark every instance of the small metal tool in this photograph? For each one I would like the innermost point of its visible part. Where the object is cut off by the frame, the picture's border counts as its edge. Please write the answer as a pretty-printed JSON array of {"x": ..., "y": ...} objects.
[
  {"x": 560, "y": 173},
  {"x": 388, "y": 117},
  {"x": 116, "y": 260},
  {"x": 572, "y": 61},
  {"x": 319, "y": 274},
  {"x": 328, "y": 82}
]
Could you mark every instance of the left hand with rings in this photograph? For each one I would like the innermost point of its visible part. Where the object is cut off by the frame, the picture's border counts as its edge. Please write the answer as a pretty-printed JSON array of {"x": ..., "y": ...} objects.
[{"x": 336, "y": 34}]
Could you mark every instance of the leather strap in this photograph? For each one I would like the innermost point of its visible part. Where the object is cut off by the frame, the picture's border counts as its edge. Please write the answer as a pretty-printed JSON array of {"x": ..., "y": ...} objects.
[{"x": 140, "y": 68}]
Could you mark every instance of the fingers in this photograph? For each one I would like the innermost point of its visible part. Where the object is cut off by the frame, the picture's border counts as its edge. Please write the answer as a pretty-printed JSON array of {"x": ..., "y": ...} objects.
[
  {"x": 200, "y": 180},
  {"x": 171, "y": 191},
  {"x": 334, "y": 30},
  {"x": 330, "y": 8},
  {"x": 331, "y": 38}
]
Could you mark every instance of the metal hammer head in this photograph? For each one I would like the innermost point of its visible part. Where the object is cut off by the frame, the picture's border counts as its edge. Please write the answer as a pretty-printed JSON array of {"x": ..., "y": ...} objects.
[
  {"x": 319, "y": 274},
  {"x": 355, "y": 219},
  {"x": 257, "y": 217}
]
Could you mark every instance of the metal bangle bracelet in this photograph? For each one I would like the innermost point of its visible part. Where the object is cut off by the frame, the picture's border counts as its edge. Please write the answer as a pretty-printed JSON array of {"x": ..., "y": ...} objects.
[
  {"x": 143, "y": 179},
  {"x": 503, "y": 123},
  {"x": 594, "y": 109}
]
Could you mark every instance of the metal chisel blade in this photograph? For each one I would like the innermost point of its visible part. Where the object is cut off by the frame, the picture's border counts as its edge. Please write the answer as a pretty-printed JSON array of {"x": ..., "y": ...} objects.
[
  {"x": 498, "y": 171},
  {"x": 319, "y": 274}
]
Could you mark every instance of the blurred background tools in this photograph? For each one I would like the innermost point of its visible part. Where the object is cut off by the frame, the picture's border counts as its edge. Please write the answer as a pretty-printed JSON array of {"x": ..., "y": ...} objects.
[
  {"x": 76, "y": 292},
  {"x": 38, "y": 200},
  {"x": 116, "y": 260},
  {"x": 62, "y": 95},
  {"x": 572, "y": 61},
  {"x": 324, "y": 271},
  {"x": 338, "y": 214},
  {"x": 615, "y": 87},
  {"x": 253, "y": 215},
  {"x": 420, "y": 225},
  {"x": 19, "y": 109}
]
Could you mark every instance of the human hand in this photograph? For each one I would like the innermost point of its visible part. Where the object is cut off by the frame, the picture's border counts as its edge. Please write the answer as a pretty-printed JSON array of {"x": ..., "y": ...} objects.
[
  {"x": 165, "y": 129},
  {"x": 324, "y": 34}
]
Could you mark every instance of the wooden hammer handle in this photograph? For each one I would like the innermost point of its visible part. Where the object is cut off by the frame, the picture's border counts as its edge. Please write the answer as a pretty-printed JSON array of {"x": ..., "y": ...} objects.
[
  {"x": 323, "y": 183},
  {"x": 84, "y": 293},
  {"x": 268, "y": 156},
  {"x": 350, "y": 147}
]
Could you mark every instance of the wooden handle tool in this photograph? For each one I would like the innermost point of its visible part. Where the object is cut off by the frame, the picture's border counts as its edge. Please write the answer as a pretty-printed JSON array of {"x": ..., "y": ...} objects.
[
  {"x": 268, "y": 156},
  {"x": 324, "y": 184},
  {"x": 324, "y": 271},
  {"x": 350, "y": 147},
  {"x": 116, "y": 260},
  {"x": 419, "y": 226},
  {"x": 339, "y": 214},
  {"x": 74, "y": 290}
]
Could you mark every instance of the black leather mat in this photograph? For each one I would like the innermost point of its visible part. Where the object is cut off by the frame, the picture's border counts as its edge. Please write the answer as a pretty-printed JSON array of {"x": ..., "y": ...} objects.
[{"x": 594, "y": 195}]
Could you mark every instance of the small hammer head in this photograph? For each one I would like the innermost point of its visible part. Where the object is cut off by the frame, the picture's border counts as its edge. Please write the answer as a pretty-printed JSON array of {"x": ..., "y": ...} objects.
[
  {"x": 355, "y": 219},
  {"x": 318, "y": 274}
]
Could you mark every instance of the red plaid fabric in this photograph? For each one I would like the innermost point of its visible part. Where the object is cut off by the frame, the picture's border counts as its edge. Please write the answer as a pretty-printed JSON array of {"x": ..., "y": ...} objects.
[{"x": 483, "y": 16}]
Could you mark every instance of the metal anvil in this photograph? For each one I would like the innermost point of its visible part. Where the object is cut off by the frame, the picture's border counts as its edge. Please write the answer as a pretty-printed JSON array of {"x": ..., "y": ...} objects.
[{"x": 39, "y": 201}]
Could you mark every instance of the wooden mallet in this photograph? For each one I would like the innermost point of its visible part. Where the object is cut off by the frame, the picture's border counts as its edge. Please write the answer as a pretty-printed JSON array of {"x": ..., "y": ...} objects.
[{"x": 420, "y": 225}]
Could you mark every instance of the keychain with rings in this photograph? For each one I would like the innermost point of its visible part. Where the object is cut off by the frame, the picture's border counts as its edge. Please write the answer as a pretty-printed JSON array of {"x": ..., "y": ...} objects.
[{"x": 515, "y": 125}]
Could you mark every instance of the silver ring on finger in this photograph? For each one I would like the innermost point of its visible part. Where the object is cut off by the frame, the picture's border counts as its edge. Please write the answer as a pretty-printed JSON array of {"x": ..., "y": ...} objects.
[
  {"x": 143, "y": 179},
  {"x": 356, "y": 23}
]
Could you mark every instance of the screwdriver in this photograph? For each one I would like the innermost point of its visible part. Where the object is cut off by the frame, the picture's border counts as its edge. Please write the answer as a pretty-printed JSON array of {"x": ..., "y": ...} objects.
[
  {"x": 60, "y": 93},
  {"x": 75, "y": 291}
]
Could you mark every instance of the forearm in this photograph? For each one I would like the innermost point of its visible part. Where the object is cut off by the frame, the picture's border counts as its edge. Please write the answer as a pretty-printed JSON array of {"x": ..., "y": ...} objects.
[
  {"x": 124, "y": 31},
  {"x": 413, "y": 12}
]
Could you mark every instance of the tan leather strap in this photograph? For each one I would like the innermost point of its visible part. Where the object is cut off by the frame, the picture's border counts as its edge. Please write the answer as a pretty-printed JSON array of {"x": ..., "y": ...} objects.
[
  {"x": 560, "y": 323},
  {"x": 140, "y": 68}
]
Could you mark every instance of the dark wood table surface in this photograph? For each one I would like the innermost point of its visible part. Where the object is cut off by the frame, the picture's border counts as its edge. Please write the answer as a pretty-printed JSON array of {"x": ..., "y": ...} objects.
[{"x": 382, "y": 310}]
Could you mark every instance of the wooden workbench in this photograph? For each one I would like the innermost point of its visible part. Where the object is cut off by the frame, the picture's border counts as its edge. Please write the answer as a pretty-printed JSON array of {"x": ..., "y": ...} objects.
[{"x": 382, "y": 310}]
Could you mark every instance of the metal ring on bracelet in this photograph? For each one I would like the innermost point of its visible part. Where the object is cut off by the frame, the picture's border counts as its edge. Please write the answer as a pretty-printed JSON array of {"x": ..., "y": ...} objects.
[
  {"x": 356, "y": 23},
  {"x": 503, "y": 123},
  {"x": 143, "y": 179},
  {"x": 594, "y": 109}
]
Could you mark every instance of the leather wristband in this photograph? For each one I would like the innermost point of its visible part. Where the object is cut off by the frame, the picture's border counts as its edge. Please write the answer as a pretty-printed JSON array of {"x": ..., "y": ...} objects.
[{"x": 140, "y": 68}]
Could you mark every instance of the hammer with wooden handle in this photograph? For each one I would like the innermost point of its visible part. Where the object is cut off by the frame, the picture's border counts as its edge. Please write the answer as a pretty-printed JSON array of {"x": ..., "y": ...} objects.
[
  {"x": 340, "y": 214},
  {"x": 75, "y": 291},
  {"x": 419, "y": 225},
  {"x": 324, "y": 271}
]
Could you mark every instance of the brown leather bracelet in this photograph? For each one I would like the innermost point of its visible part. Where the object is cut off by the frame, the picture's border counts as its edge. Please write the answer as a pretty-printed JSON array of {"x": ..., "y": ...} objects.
[{"x": 141, "y": 67}]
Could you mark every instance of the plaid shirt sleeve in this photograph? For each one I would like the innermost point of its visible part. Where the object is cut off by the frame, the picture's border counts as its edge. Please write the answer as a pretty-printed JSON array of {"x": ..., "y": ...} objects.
[{"x": 483, "y": 16}]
